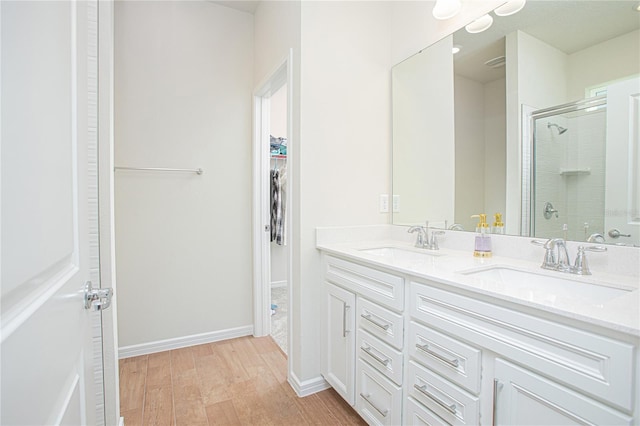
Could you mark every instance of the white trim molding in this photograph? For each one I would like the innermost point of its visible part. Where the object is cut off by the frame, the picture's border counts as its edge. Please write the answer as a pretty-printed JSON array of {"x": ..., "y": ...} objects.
[
  {"x": 307, "y": 387},
  {"x": 183, "y": 342}
]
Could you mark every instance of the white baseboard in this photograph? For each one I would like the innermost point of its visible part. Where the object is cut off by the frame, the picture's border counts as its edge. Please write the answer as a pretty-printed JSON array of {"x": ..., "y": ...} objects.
[
  {"x": 121, "y": 422},
  {"x": 275, "y": 284},
  {"x": 182, "y": 342},
  {"x": 308, "y": 387}
]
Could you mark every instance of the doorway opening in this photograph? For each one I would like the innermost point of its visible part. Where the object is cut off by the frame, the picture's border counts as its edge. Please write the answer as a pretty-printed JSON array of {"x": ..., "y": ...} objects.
[{"x": 272, "y": 206}]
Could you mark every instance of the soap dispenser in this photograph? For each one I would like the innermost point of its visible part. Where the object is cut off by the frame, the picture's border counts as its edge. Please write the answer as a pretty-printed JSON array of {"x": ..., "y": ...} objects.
[
  {"x": 483, "y": 241},
  {"x": 498, "y": 224}
]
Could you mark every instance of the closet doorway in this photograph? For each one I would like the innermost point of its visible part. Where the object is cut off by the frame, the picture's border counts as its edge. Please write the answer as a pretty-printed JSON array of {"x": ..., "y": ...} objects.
[{"x": 272, "y": 207}]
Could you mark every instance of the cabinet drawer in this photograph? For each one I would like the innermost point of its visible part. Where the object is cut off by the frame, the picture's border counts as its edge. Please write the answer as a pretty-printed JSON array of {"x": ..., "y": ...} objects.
[
  {"x": 378, "y": 286},
  {"x": 378, "y": 400},
  {"x": 381, "y": 356},
  {"x": 588, "y": 362},
  {"x": 382, "y": 323},
  {"x": 447, "y": 400},
  {"x": 417, "y": 414},
  {"x": 453, "y": 359}
]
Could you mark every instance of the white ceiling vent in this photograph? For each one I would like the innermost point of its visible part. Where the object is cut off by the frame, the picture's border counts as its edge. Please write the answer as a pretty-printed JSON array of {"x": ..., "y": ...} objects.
[{"x": 496, "y": 62}]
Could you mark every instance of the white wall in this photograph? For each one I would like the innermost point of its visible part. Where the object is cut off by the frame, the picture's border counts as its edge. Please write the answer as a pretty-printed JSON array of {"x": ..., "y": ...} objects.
[
  {"x": 536, "y": 75},
  {"x": 480, "y": 139},
  {"x": 423, "y": 134},
  {"x": 183, "y": 81},
  {"x": 469, "y": 151},
  {"x": 345, "y": 137},
  {"x": 495, "y": 151},
  {"x": 610, "y": 60}
]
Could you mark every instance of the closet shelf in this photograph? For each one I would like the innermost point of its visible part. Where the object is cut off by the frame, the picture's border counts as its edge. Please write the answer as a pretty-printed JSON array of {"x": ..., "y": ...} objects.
[{"x": 575, "y": 172}]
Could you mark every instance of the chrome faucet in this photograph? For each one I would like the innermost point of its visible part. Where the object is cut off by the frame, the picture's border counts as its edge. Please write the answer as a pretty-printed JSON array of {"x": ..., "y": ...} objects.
[
  {"x": 556, "y": 257},
  {"x": 420, "y": 239},
  {"x": 562, "y": 255},
  {"x": 423, "y": 240}
]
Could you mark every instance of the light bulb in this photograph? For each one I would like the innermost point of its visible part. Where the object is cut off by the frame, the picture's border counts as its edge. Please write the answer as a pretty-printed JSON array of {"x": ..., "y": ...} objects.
[
  {"x": 510, "y": 7},
  {"x": 445, "y": 9},
  {"x": 479, "y": 25}
]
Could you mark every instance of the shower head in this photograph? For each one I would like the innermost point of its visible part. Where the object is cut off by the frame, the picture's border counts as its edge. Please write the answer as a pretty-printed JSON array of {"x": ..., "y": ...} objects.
[{"x": 561, "y": 129}]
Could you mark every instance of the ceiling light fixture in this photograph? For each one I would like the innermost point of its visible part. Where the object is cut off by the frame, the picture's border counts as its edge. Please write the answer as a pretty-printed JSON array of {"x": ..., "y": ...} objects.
[
  {"x": 479, "y": 25},
  {"x": 510, "y": 7},
  {"x": 445, "y": 9}
]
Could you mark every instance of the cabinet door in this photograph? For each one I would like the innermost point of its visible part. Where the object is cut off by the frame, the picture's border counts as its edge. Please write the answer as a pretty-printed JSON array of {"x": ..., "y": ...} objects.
[
  {"x": 524, "y": 398},
  {"x": 339, "y": 338}
]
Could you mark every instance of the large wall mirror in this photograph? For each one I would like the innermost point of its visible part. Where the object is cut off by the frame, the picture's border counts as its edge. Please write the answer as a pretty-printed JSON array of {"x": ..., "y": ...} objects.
[{"x": 536, "y": 118}]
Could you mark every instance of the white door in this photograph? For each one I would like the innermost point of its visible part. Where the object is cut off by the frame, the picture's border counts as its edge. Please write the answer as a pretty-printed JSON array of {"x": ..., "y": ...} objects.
[
  {"x": 51, "y": 365},
  {"x": 622, "y": 199}
]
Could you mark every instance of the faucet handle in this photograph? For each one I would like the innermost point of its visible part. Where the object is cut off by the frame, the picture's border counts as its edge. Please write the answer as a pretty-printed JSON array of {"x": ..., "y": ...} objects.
[
  {"x": 433, "y": 245},
  {"x": 549, "y": 261},
  {"x": 581, "y": 267}
]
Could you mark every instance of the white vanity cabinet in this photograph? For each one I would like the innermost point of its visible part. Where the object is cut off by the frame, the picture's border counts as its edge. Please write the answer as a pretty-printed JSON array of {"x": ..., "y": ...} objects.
[
  {"x": 363, "y": 338},
  {"x": 454, "y": 357},
  {"x": 535, "y": 370}
]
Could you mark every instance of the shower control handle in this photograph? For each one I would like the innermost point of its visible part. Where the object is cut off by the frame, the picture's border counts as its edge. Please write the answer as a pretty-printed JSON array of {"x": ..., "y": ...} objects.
[
  {"x": 615, "y": 233},
  {"x": 549, "y": 210}
]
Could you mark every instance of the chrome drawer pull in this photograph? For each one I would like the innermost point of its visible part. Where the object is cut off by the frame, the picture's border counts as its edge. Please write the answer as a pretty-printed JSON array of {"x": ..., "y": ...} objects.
[
  {"x": 369, "y": 318},
  {"x": 425, "y": 348},
  {"x": 383, "y": 361},
  {"x": 344, "y": 319},
  {"x": 366, "y": 398},
  {"x": 423, "y": 390}
]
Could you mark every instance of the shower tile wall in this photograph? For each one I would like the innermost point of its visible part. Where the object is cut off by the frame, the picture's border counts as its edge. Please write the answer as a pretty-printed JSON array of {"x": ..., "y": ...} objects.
[
  {"x": 579, "y": 198},
  {"x": 585, "y": 193}
]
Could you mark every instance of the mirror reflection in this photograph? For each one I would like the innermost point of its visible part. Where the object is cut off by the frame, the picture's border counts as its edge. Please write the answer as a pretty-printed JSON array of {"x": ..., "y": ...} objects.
[{"x": 536, "y": 118}]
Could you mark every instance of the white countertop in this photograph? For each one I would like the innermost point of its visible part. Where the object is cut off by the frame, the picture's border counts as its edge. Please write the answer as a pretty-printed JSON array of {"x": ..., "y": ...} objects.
[{"x": 447, "y": 266}]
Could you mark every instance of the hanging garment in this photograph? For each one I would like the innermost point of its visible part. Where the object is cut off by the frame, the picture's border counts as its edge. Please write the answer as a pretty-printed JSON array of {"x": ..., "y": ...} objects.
[
  {"x": 278, "y": 203},
  {"x": 276, "y": 209},
  {"x": 281, "y": 221}
]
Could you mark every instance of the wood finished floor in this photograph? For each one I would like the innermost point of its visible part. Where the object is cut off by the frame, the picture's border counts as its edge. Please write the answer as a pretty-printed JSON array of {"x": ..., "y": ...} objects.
[{"x": 234, "y": 382}]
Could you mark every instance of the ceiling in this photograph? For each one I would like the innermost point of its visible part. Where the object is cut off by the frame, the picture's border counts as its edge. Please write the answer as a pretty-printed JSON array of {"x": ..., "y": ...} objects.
[
  {"x": 568, "y": 25},
  {"x": 242, "y": 5}
]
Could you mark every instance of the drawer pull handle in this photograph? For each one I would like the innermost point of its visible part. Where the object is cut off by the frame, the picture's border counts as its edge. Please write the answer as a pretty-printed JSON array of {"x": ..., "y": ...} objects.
[
  {"x": 344, "y": 319},
  {"x": 366, "y": 398},
  {"x": 451, "y": 362},
  {"x": 423, "y": 390},
  {"x": 383, "y": 361},
  {"x": 369, "y": 318}
]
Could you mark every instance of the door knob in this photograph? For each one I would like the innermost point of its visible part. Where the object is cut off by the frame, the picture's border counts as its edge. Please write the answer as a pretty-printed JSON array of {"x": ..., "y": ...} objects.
[{"x": 97, "y": 299}]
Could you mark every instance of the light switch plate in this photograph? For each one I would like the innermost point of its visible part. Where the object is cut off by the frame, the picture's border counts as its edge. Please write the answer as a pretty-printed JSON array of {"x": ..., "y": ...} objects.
[
  {"x": 384, "y": 203},
  {"x": 396, "y": 204}
]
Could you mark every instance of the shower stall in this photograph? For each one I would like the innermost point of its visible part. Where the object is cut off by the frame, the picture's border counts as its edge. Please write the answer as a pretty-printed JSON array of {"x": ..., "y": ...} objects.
[{"x": 566, "y": 170}]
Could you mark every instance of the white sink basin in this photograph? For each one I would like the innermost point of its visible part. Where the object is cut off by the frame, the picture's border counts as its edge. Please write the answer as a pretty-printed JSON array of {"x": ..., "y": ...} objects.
[
  {"x": 401, "y": 254},
  {"x": 542, "y": 288}
]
